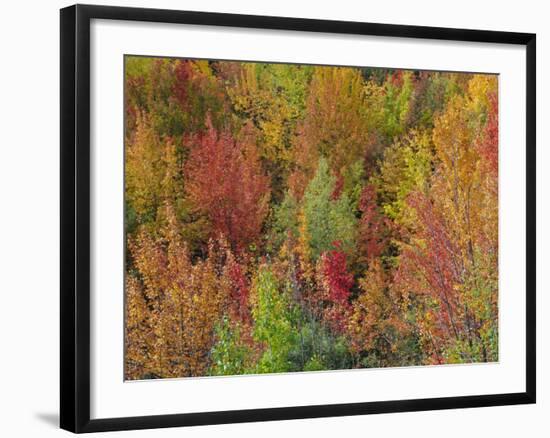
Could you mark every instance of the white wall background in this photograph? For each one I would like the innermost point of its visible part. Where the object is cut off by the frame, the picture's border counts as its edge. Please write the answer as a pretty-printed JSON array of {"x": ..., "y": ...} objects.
[{"x": 29, "y": 237}]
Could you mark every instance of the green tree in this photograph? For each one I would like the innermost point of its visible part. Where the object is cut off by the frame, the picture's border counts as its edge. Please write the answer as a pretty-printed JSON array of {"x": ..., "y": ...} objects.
[
  {"x": 327, "y": 220},
  {"x": 273, "y": 316},
  {"x": 231, "y": 355}
]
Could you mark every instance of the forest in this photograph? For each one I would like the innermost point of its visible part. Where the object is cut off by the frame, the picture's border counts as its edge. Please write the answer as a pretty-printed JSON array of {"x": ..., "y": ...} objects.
[{"x": 285, "y": 217}]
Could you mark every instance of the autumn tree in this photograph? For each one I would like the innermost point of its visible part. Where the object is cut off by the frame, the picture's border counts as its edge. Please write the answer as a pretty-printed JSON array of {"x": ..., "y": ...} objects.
[
  {"x": 335, "y": 125},
  {"x": 399, "y": 94},
  {"x": 374, "y": 229},
  {"x": 334, "y": 289},
  {"x": 383, "y": 328},
  {"x": 177, "y": 303},
  {"x": 272, "y": 98},
  {"x": 152, "y": 174},
  {"x": 225, "y": 182},
  {"x": 406, "y": 166}
]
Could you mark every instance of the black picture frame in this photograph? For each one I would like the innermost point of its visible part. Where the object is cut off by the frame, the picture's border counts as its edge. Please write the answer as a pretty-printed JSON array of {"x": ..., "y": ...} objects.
[{"x": 75, "y": 217}]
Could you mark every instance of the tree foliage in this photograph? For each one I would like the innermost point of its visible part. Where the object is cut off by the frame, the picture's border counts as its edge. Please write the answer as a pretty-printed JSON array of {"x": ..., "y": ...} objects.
[
  {"x": 288, "y": 218},
  {"x": 225, "y": 182},
  {"x": 326, "y": 219}
]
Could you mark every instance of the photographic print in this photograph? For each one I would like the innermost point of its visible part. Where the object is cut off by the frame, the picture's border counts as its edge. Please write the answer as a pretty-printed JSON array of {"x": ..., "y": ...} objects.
[{"x": 297, "y": 218}]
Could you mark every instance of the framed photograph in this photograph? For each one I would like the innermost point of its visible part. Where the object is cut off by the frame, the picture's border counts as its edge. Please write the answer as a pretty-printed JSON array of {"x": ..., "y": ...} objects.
[{"x": 268, "y": 218}]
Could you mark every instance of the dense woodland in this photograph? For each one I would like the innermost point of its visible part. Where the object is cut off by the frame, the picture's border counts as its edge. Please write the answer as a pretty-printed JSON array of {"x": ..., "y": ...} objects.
[{"x": 288, "y": 218}]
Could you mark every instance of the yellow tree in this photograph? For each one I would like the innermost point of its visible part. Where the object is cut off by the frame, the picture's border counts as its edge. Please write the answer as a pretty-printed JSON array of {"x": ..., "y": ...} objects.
[
  {"x": 270, "y": 98},
  {"x": 145, "y": 169},
  {"x": 335, "y": 125}
]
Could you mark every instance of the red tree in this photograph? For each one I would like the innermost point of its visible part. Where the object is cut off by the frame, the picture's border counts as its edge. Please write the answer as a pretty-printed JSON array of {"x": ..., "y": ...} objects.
[
  {"x": 338, "y": 280},
  {"x": 335, "y": 284},
  {"x": 488, "y": 146},
  {"x": 225, "y": 182}
]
